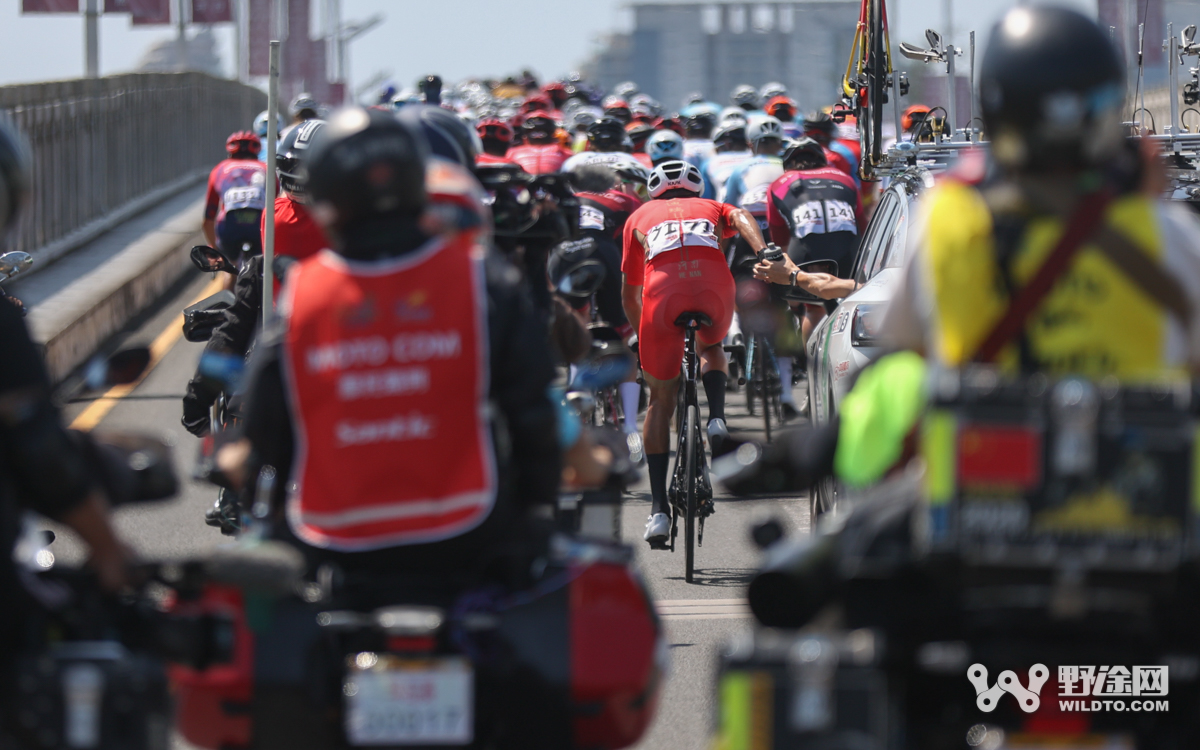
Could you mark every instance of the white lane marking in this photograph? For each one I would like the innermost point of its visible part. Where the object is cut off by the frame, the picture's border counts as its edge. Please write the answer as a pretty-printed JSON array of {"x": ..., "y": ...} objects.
[{"x": 703, "y": 609}]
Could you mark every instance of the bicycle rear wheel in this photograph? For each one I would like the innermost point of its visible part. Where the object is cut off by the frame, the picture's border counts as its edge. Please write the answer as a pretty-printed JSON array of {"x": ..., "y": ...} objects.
[{"x": 693, "y": 447}]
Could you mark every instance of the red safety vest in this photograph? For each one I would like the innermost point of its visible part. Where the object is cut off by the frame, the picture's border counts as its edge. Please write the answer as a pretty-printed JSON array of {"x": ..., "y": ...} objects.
[{"x": 388, "y": 376}]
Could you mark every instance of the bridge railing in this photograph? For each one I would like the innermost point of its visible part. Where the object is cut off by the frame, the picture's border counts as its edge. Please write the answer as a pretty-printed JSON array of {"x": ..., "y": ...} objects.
[{"x": 103, "y": 148}]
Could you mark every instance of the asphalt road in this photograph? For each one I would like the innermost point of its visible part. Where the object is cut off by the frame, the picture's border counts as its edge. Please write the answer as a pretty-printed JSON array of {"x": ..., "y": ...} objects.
[{"x": 699, "y": 617}]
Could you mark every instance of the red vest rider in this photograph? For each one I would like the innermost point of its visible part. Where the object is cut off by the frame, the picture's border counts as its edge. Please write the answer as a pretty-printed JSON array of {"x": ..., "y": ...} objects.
[{"x": 396, "y": 350}]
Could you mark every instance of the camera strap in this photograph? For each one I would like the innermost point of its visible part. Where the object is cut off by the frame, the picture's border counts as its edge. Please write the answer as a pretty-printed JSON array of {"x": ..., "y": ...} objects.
[{"x": 1084, "y": 223}]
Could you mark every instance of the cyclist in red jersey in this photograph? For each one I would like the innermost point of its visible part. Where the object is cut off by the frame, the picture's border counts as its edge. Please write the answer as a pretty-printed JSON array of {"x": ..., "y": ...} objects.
[
  {"x": 541, "y": 153},
  {"x": 236, "y": 197},
  {"x": 672, "y": 264},
  {"x": 496, "y": 136},
  {"x": 296, "y": 234}
]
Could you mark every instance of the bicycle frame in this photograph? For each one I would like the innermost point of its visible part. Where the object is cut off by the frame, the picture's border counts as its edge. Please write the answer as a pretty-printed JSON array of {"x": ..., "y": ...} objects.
[{"x": 865, "y": 83}]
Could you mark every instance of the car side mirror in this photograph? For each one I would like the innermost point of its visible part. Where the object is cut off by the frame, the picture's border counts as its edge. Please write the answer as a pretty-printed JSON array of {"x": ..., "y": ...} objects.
[
  {"x": 820, "y": 266},
  {"x": 211, "y": 260}
]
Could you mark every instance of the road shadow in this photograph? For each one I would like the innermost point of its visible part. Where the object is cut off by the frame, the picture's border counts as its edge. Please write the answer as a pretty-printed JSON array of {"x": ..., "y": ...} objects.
[{"x": 725, "y": 578}]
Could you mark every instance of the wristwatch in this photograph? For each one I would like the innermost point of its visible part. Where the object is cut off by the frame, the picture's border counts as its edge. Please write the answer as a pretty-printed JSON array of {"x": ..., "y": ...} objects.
[{"x": 793, "y": 277}]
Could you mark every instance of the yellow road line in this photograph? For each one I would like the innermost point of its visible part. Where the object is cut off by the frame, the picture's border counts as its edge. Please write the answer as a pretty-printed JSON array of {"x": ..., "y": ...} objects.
[{"x": 99, "y": 409}]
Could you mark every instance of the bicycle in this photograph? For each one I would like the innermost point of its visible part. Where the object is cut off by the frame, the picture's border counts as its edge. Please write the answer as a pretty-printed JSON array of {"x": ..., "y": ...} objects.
[
  {"x": 690, "y": 492},
  {"x": 762, "y": 381}
]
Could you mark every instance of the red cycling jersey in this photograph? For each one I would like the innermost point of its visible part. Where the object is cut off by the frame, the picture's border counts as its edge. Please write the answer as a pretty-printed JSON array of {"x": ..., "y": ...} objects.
[
  {"x": 672, "y": 249},
  {"x": 539, "y": 159},
  {"x": 492, "y": 159},
  {"x": 234, "y": 185},
  {"x": 296, "y": 234},
  {"x": 838, "y": 162}
]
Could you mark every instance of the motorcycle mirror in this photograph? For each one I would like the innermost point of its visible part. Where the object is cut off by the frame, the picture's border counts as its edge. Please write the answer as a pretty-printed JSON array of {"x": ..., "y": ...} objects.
[
  {"x": 934, "y": 39},
  {"x": 122, "y": 368},
  {"x": 14, "y": 262},
  {"x": 210, "y": 260}
]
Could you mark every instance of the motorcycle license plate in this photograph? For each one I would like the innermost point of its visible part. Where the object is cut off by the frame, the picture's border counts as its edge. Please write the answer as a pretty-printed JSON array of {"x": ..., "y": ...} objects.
[{"x": 392, "y": 701}]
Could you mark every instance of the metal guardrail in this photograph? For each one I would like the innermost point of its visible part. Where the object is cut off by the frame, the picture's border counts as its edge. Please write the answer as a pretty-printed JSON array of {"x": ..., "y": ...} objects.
[{"x": 103, "y": 144}]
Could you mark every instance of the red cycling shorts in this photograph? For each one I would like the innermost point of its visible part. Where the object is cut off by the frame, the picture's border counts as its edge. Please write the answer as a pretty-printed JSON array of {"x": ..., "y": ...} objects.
[{"x": 673, "y": 287}]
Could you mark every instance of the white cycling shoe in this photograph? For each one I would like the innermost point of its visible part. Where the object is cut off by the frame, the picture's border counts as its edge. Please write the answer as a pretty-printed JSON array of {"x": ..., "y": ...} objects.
[
  {"x": 717, "y": 434},
  {"x": 658, "y": 528}
]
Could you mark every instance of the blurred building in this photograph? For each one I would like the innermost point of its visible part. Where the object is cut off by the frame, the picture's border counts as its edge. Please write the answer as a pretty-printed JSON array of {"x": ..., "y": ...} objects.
[{"x": 676, "y": 49}]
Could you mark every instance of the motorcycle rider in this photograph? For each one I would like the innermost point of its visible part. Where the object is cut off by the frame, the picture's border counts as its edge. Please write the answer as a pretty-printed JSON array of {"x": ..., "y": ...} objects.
[
  {"x": 346, "y": 419},
  {"x": 297, "y": 236},
  {"x": 679, "y": 228},
  {"x": 42, "y": 469},
  {"x": 236, "y": 197}
]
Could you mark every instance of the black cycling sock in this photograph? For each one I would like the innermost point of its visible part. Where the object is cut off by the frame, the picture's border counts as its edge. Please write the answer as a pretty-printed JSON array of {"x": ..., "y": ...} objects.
[
  {"x": 714, "y": 387},
  {"x": 656, "y": 465}
]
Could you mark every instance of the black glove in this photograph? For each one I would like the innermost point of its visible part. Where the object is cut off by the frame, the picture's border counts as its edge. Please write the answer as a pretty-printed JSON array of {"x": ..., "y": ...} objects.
[{"x": 196, "y": 404}]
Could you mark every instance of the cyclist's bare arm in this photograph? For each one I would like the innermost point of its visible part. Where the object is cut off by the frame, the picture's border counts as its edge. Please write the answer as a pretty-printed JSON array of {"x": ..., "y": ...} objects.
[
  {"x": 631, "y": 301},
  {"x": 747, "y": 226},
  {"x": 826, "y": 286},
  {"x": 209, "y": 227}
]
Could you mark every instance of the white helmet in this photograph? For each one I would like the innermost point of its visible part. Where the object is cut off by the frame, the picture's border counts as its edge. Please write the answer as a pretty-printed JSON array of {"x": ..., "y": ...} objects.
[
  {"x": 772, "y": 90},
  {"x": 745, "y": 96},
  {"x": 766, "y": 127},
  {"x": 664, "y": 144},
  {"x": 733, "y": 113},
  {"x": 672, "y": 175}
]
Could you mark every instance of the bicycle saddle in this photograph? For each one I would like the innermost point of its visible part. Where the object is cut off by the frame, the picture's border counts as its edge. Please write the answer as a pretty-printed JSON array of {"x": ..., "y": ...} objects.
[{"x": 687, "y": 318}]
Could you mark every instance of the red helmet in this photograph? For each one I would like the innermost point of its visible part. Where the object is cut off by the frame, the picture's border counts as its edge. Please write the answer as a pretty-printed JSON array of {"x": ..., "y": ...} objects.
[
  {"x": 243, "y": 140},
  {"x": 494, "y": 127},
  {"x": 556, "y": 91},
  {"x": 537, "y": 102}
]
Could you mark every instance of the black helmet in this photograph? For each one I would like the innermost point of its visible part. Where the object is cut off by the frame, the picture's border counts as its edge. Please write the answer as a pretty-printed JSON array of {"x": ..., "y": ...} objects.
[
  {"x": 14, "y": 173},
  {"x": 701, "y": 124},
  {"x": 366, "y": 163},
  {"x": 1052, "y": 87},
  {"x": 805, "y": 152},
  {"x": 607, "y": 134},
  {"x": 291, "y": 157},
  {"x": 819, "y": 122},
  {"x": 575, "y": 271},
  {"x": 448, "y": 136}
]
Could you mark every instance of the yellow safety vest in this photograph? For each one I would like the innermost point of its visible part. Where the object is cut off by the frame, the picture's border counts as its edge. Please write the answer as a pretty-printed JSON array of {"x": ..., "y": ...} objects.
[{"x": 1094, "y": 322}]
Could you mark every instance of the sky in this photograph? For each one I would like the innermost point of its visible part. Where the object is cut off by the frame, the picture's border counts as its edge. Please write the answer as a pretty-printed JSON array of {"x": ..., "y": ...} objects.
[{"x": 454, "y": 38}]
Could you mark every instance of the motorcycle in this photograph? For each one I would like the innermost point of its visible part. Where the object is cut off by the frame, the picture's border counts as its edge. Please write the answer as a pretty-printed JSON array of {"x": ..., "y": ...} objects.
[
  {"x": 1046, "y": 537},
  {"x": 200, "y": 321},
  {"x": 88, "y": 667},
  {"x": 11, "y": 264}
]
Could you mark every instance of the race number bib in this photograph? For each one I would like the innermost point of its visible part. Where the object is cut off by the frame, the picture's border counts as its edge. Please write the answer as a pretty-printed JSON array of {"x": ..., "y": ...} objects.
[
  {"x": 839, "y": 217},
  {"x": 755, "y": 201},
  {"x": 808, "y": 218},
  {"x": 673, "y": 235},
  {"x": 591, "y": 217},
  {"x": 248, "y": 196}
]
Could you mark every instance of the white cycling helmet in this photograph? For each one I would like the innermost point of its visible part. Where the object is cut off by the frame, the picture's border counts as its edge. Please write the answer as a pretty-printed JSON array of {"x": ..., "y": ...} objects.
[
  {"x": 664, "y": 145},
  {"x": 733, "y": 113},
  {"x": 672, "y": 175},
  {"x": 771, "y": 90},
  {"x": 745, "y": 96},
  {"x": 761, "y": 128}
]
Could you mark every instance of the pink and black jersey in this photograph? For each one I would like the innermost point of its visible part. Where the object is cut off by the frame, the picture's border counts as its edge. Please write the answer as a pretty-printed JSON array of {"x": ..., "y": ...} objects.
[
  {"x": 817, "y": 215},
  {"x": 235, "y": 185}
]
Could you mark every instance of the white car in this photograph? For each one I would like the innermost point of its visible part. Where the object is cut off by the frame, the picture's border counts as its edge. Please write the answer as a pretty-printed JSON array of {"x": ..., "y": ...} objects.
[{"x": 845, "y": 341}]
